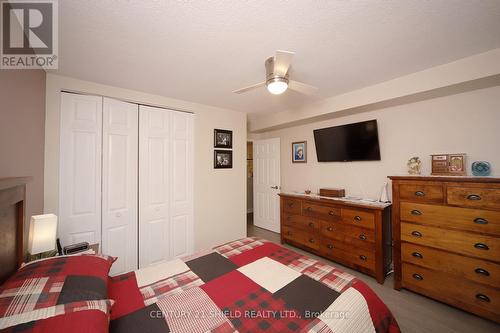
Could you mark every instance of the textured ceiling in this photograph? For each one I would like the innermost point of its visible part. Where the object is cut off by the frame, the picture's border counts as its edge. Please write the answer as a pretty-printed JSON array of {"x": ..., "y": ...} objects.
[{"x": 202, "y": 50}]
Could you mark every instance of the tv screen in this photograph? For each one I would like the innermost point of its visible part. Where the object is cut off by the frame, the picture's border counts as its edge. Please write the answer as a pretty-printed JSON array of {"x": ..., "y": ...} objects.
[{"x": 352, "y": 142}]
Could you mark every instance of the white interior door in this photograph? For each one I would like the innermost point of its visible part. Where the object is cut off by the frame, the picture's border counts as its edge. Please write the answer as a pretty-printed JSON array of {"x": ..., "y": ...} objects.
[
  {"x": 119, "y": 183},
  {"x": 181, "y": 186},
  {"x": 266, "y": 184},
  {"x": 80, "y": 169}
]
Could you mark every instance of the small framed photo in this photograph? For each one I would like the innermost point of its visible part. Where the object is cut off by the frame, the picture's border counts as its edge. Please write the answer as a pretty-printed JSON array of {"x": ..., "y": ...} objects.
[
  {"x": 223, "y": 138},
  {"x": 299, "y": 152},
  {"x": 457, "y": 164},
  {"x": 223, "y": 159}
]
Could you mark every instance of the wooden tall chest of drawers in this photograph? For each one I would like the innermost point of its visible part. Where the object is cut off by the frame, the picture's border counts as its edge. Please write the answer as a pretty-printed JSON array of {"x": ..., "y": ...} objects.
[
  {"x": 352, "y": 233},
  {"x": 446, "y": 233}
]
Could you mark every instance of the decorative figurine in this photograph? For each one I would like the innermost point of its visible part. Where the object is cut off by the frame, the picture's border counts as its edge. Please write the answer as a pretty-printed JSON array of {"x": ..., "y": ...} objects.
[{"x": 414, "y": 165}]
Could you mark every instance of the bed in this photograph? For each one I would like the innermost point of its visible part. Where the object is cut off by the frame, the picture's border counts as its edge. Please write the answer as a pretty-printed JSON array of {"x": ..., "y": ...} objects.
[{"x": 247, "y": 285}]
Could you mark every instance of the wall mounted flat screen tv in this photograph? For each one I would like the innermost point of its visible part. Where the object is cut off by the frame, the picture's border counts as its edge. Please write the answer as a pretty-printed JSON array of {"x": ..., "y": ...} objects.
[{"x": 352, "y": 142}]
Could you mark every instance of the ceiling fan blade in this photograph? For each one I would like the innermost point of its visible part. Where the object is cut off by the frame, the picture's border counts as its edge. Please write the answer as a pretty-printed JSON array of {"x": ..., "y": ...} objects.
[
  {"x": 282, "y": 61},
  {"x": 302, "y": 87},
  {"x": 242, "y": 90}
]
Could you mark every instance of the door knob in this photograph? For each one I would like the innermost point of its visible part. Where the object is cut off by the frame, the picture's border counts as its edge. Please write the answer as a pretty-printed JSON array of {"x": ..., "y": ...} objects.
[{"x": 274, "y": 187}]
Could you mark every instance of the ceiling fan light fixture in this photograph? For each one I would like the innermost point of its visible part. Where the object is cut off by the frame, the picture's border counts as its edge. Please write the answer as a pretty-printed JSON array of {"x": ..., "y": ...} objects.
[{"x": 277, "y": 85}]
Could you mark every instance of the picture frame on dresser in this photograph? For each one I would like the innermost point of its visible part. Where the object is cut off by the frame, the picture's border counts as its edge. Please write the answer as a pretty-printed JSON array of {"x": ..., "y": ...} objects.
[{"x": 446, "y": 236}]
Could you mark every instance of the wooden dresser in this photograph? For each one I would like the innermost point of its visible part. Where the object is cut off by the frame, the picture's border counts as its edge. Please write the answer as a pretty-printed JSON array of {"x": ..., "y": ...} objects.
[
  {"x": 352, "y": 233},
  {"x": 446, "y": 233}
]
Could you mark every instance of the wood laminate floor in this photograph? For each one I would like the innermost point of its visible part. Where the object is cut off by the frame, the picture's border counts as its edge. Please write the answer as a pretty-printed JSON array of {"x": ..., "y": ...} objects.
[{"x": 414, "y": 313}]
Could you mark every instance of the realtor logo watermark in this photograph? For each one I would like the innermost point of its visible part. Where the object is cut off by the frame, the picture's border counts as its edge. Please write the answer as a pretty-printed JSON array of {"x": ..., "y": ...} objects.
[{"x": 29, "y": 34}]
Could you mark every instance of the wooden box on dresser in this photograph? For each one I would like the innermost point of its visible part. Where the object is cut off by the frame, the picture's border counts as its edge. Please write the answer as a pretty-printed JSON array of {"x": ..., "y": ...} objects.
[
  {"x": 446, "y": 233},
  {"x": 352, "y": 233}
]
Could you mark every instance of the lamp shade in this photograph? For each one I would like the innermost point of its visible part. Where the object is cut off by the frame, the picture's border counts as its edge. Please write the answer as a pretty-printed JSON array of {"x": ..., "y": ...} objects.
[{"x": 43, "y": 233}]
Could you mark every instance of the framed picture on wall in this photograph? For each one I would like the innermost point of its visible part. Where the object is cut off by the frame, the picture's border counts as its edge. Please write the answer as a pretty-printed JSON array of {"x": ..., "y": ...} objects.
[
  {"x": 299, "y": 152},
  {"x": 223, "y": 159},
  {"x": 223, "y": 138}
]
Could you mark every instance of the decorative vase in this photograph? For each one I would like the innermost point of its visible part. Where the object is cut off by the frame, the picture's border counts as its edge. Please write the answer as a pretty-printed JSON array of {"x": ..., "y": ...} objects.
[
  {"x": 481, "y": 168},
  {"x": 414, "y": 165}
]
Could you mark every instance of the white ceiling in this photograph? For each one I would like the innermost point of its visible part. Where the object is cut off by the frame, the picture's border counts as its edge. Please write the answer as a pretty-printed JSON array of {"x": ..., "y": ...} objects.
[{"x": 200, "y": 51}]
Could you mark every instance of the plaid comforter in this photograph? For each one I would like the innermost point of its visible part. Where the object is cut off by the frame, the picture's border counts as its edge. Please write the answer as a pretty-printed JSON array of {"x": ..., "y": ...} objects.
[{"x": 249, "y": 285}]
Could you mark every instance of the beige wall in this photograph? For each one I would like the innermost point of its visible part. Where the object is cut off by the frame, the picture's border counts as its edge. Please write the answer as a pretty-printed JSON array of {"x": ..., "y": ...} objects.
[
  {"x": 22, "y": 119},
  {"x": 219, "y": 195},
  {"x": 468, "y": 122}
]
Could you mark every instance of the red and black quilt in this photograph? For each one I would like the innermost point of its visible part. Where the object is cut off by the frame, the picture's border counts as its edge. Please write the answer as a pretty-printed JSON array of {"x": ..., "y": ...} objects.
[{"x": 249, "y": 285}]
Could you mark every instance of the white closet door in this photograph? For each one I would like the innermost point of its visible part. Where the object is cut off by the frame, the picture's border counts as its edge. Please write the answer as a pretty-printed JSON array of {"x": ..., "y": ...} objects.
[
  {"x": 181, "y": 187},
  {"x": 119, "y": 183},
  {"x": 154, "y": 185},
  {"x": 80, "y": 169}
]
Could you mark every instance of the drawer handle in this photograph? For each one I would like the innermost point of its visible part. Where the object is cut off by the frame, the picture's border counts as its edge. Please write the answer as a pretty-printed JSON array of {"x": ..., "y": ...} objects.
[
  {"x": 311, "y": 224},
  {"x": 311, "y": 240},
  {"x": 418, "y": 277},
  {"x": 362, "y": 237},
  {"x": 330, "y": 246},
  {"x": 474, "y": 197},
  {"x": 416, "y": 234},
  {"x": 481, "y": 271},
  {"x": 290, "y": 204},
  {"x": 480, "y": 220},
  {"x": 331, "y": 213},
  {"x": 483, "y": 298},
  {"x": 309, "y": 209},
  {"x": 420, "y": 193},
  {"x": 357, "y": 218},
  {"x": 481, "y": 246},
  {"x": 329, "y": 229},
  {"x": 416, "y": 212},
  {"x": 362, "y": 257},
  {"x": 417, "y": 255}
]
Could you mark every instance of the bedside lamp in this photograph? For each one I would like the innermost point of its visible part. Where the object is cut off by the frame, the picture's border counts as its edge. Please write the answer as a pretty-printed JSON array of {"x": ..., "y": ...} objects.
[{"x": 43, "y": 233}]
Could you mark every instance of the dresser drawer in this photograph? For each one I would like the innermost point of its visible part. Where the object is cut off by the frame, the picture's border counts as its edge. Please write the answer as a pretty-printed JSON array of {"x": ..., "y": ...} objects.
[
  {"x": 476, "y": 220},
  {"x": 302, "y": 237},
  {"x": 301, "y": 222},
  {"x": 468, "y": 243},
  {"x": 330, "y": 229},
  {"x": 421, "y": 193},
  {"x": 347, "y": 254},
  {"x": 358, "y": 218},
  {"x": 474, "y": 197},
  {"x": 320, "y": 212},
  {"x": 471, "y": 296},
  {"x": 292, "y": 206},
  {"x": 461, "y": 267}
]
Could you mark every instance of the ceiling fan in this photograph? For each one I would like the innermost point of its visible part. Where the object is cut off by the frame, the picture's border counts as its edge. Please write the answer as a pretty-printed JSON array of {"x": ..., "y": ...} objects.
[{"x": 278, "y": 78}]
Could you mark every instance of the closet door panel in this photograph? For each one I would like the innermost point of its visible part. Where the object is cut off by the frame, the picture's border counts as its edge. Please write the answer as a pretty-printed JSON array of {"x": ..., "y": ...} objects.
[
  {"x": 181, "y": 239},
  {"x": 80, "y": 169},
  {"x": 154, "y": 184},
  {"x": 119, "y": 187}
]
